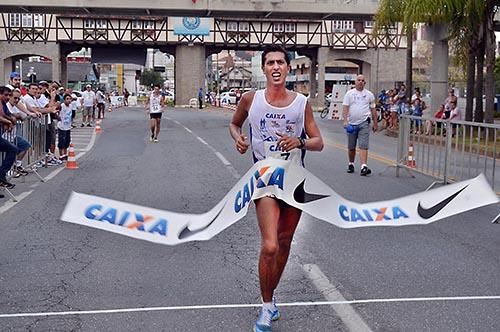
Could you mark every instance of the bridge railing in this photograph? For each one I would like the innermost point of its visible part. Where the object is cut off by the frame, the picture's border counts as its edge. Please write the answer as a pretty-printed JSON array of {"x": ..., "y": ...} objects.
[{"x": 449, "y": 150}]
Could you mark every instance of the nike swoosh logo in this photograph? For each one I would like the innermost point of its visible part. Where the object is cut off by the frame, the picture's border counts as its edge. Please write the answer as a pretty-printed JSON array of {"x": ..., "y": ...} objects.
[
  {"x": 301, "y": 196},
  {"x": 186, "y": 232},
  {"x": 430, "y": 212}
]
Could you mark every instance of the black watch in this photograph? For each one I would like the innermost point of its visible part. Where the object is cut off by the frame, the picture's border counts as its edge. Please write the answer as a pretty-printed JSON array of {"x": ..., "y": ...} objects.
[{"x": 302, "y": 142}]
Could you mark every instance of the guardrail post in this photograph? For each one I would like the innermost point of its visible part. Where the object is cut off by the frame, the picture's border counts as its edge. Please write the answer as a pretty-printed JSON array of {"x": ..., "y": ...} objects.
[{"x": 447, "y": 152}]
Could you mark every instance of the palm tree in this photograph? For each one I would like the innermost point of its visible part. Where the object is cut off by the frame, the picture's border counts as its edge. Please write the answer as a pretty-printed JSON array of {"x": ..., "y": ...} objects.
[{"x": 471, "y": 28}]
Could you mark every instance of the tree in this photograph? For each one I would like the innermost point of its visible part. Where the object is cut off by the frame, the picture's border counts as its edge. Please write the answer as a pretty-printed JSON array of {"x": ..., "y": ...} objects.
[
  {"x": 471, "y": 32},
  {"x": 497, "y": 75},
  {"x": 151, "y": 78}
]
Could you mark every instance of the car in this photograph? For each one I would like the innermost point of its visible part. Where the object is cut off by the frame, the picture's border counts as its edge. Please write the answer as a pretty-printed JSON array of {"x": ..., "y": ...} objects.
[{"x": 228, "y": 97}]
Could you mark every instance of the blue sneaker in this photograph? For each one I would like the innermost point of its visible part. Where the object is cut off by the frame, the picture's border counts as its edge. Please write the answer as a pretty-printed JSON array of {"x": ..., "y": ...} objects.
[
  {"x": 276, "y": 313},
  {"x": 263, "y": 323}
]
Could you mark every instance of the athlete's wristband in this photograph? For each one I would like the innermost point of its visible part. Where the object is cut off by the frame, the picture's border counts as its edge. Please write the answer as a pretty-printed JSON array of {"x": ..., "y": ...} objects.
[{"x": 302, "y": 143}]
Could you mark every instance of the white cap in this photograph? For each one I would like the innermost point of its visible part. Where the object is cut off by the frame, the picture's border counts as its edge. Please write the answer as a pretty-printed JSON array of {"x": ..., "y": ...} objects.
[{"x": 88, "y": 86}]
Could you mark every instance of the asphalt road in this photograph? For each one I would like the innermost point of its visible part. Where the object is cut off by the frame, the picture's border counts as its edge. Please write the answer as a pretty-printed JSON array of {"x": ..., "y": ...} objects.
[{"x": 51, "y": 266}]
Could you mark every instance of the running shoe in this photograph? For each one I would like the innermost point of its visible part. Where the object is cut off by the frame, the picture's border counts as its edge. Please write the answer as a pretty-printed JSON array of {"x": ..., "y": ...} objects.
[
  {"x": 89, "y": 125},
  {"x": 365, "y": 171},
  {"x": 151, "y": 138},
  {"x": 263, "y": 323},
  {"x": 350, "y": 168},
  {"x": 276, "y": 313},
  {"x": 156, "y": 140}
]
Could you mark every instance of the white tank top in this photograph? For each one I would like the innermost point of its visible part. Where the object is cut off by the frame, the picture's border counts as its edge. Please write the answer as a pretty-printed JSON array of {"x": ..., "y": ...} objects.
[
  {"x": 266, "y": 120},
  {"x": 154, "y": 103}
]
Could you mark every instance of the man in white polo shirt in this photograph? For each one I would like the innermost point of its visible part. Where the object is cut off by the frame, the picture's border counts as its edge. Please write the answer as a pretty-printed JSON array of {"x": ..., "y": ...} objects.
[
  {"x": 88, "y": 103},
  {"x": 359, "y": 112}
]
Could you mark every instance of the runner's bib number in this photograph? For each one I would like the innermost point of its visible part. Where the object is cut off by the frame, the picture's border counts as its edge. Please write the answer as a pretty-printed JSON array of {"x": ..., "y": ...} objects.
[{"x": 272, "y": 150}]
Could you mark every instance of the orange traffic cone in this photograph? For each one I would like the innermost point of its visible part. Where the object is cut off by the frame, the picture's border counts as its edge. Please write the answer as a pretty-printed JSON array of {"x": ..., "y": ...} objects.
[
  {"x": 98, "y": 126},
  {"x": 411, "y": 162},
  {"x": 71, "y": 164}
]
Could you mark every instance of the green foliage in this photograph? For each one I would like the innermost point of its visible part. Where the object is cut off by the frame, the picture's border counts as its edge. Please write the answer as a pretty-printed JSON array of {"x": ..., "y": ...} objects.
[{"x": 150, "y": 78}]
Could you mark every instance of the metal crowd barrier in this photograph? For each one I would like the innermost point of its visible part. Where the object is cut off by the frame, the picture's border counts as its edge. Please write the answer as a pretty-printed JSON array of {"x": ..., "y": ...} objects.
[
  {"x": 449, "y": 151},
  {"x": 33, "y": 131}
]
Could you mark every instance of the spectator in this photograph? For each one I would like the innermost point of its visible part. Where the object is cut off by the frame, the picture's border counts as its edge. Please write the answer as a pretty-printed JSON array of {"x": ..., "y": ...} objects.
[
  {"x": 451, "y": 98},
  {"x": 15, "y": 80},
  {"x": 47, "y": 101},
  {"x": 358, "y": 111},
  {"x": 64, "y": 127},
  {"x": 126, "y": 94},
  {"x": 74, "y": 108},
  {"x": 418, "y": 112},
  {"x": 455, "y": 114},
  {"x": 88, "y": 102},
  {"x": 6, "y": 147},
  {"x": 22, "y": 144},
  {"x": 401, "y": 99},
  {"x": 100, "y": 104},
  {"x": 416, "y": 95},
  {"x": 200, "y": 98},
  {"x": 393, "y": 106},
  {"x": 438, "y": 116}
]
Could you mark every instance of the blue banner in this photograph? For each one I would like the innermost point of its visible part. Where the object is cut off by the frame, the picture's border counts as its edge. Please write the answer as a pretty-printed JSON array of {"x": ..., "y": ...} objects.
[{"x": 196, "y": 26}]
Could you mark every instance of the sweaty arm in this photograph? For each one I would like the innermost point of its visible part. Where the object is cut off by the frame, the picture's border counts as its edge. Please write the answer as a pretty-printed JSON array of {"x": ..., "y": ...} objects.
[{"x": 239, "y": 117}]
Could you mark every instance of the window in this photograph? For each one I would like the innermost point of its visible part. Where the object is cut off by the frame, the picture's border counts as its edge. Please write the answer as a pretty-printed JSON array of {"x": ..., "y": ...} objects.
[
  {"x": 136, "y": 24},
  {"x": 278, "y": 27},
  {"x": 343, "y": 26},
  {"x": 15, "y": 20},
  {"x": 89, "y": 23},
  {"x": 149, "y": 25},
  {"x": 244, "y": 26},
  {"x": 38, "y": 20},
  {"x": 369, "y": 24},
  {"x": 100, "y": 24},
  {"x": 290, "y": 27},
  {"x": 27, "y": 20},
  {"x": 232, "y": 26}
]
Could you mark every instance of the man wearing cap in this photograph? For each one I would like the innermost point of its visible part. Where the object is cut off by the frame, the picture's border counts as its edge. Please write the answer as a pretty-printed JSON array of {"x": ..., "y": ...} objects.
[
  {"x": 88, "y": 102},
  {"x": 15, "y": 82}
]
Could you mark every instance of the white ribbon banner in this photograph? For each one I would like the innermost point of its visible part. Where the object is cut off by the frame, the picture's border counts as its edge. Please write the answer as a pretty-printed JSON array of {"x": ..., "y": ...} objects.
[{"x": 289, "y": 182}]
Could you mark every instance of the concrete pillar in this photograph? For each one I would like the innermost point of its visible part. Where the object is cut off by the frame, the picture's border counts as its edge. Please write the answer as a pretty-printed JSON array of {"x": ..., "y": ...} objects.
[
  {"x": 318, "y": 84},
  {"x": 64, "y": 70},
  {"x": 366, "y": 70},
  {"x": 6, "y": 67},
  {"x": 189, "y": 72},
  {"x": 440, "y": 60},
  {"x": 56, "y": 69}
]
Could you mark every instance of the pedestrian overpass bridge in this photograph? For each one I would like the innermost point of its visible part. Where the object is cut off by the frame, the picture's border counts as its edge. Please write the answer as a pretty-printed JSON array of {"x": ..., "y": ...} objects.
[{"x": 324, "y": 30}]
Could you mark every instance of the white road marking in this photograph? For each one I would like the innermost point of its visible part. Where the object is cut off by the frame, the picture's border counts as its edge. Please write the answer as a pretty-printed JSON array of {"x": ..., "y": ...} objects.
[
  {"x": 11, "y": 203},
  {"x": 346, "y": 312},
  {"x": 221, "y": 157},
  {"x": 201, "y": 140},
  {"x": 249, "y": 305}
]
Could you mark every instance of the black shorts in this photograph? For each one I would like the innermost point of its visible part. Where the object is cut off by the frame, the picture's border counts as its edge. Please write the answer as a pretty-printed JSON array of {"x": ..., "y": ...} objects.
[
  {"x": 155, "y": 115},
  {"x": 64, "y": 137}
]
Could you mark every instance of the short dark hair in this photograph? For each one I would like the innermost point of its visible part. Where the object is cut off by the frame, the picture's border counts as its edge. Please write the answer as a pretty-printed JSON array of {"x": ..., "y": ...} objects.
[
  {"x": 67, "y": 95},
  {"x": 32, "y": 84},
  {"x": 274, "y": 48},
  {"x": 4, "y": 89}
]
